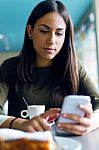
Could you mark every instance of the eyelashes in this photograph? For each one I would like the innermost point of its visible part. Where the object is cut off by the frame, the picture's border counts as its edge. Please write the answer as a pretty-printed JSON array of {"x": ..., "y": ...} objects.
[{"x": 45, "y": 32}]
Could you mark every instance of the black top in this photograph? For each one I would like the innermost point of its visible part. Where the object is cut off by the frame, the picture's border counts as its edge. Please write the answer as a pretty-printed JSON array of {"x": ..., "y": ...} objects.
[{"x": 40, "y": 92}]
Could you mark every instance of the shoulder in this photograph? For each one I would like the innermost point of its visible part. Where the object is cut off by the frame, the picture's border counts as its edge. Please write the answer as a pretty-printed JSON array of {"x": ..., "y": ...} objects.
[
  {"x": 84, "y": 77},
  {"x": 10, "y": 63},
  {"x": 8, "y": 69},
  {"x": 11, "y": 60},
  {"x": 82, "y": 71}
]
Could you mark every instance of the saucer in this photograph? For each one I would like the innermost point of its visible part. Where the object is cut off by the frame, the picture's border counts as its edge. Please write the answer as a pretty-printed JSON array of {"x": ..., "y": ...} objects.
[{"x": 64, "y": 143}]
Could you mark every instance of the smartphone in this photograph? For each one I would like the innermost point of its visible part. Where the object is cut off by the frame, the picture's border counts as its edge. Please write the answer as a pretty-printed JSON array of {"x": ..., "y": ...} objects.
[{"x": 71, "y": 105}]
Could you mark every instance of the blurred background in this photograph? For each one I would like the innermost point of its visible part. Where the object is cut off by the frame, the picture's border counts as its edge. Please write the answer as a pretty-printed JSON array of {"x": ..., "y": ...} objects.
[{"x": 84, "y": 13}]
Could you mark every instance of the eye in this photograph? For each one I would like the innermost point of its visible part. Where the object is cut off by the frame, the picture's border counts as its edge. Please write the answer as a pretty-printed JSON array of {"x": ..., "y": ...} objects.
[
  {"x": 44, "y": 31},
  {"x": 59, "y": 34}
]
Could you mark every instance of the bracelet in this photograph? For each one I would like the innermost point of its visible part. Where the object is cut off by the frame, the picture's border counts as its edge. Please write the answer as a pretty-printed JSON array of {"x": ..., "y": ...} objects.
[{"x": 12, "y": 122}]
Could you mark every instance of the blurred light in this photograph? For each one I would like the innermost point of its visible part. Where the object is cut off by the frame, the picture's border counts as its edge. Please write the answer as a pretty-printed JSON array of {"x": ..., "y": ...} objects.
[
  {"x": 1, "y": 36},
  {"x": 92, "y": 17}
]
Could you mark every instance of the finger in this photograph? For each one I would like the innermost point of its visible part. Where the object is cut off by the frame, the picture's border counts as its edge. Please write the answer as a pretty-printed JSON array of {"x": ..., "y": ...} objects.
[
  {"x": 80, "y": 120},
  {"x": 40, "y": 124},
  {"x": 73, "y": 128},
  {"x": 88, "y": 110},
  {"x": 52, "y": 113},
  {"x": 44, "y": 124},
  {"x": 37, "y": 126},
  {"x": 27, "y": 126}
]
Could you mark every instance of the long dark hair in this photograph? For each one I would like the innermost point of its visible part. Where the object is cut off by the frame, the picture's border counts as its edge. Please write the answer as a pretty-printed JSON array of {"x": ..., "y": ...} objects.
[{"x": 64, "y": 67}]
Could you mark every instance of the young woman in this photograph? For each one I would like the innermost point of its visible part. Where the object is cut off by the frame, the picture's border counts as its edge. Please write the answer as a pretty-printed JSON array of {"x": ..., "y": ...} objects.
[{"x": 45, "y": 72}]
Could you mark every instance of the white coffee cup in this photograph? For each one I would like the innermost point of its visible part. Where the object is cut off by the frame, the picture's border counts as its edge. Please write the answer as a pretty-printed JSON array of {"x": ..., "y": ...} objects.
[{"x": 32, "y": 111}]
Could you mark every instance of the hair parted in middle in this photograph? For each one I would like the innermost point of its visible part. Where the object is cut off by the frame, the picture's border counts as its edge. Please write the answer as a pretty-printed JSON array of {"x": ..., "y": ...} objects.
[{"x": 64, "y": 67}]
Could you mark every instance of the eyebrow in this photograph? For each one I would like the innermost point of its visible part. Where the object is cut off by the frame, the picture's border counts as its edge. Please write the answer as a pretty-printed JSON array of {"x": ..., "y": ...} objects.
[{"x": 49, "y": 27}]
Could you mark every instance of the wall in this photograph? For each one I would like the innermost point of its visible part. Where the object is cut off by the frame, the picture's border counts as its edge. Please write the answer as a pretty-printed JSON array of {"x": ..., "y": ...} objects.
[{"x": 14, "y": 14}]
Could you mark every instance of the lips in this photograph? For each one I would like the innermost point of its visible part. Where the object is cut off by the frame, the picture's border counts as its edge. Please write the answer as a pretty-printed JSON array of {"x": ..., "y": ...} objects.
[{"x": 49, "y": 50}]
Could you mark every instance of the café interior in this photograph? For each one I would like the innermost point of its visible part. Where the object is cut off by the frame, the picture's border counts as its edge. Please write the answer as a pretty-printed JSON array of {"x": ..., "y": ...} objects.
[{"x": 85, "y": 16}]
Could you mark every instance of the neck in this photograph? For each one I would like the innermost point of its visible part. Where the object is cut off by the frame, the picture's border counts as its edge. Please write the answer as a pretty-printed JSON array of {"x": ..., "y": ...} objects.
[{"x": 43, "y": 63}]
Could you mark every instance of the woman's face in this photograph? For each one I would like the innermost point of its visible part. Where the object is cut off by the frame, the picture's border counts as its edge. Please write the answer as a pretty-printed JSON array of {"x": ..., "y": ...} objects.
[{"x": 48, "y": 37}]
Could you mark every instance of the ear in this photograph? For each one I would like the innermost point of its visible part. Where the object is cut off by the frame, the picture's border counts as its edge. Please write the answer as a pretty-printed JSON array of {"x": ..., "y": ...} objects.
[{"x": 29, "y": 30}]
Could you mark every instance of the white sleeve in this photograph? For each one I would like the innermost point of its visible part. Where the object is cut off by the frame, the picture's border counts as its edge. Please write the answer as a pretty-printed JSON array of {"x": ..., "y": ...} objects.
[
  {"x": 3, "y": 118},
  {"x": 4, "y": 89}
]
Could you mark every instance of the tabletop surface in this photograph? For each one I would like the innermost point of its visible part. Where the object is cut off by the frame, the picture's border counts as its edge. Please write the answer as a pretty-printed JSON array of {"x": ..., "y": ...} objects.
[{"x": 89, "y": 141}]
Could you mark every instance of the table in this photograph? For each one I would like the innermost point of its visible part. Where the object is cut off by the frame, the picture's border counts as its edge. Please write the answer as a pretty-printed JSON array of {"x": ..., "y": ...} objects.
[{"x": 89, "y": 141}]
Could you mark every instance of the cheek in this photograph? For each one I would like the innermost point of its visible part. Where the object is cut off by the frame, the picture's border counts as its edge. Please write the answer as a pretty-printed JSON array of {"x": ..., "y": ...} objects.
[
  {"x": 61, "y": 42},
  {"x": 37, "y": 42}
]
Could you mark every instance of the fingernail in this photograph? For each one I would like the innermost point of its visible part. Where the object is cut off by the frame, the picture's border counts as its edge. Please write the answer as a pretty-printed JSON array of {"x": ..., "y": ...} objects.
[
  {"x": 64, "y": 115},
  {"x": 59, "y": 125},
  {"x": 81, "y": 106}
]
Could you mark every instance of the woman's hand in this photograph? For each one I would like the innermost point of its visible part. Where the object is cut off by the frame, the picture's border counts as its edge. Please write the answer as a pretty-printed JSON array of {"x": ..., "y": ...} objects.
[
  {"x": 37, "y": 123},
  {"x": 84, "y": 124}
]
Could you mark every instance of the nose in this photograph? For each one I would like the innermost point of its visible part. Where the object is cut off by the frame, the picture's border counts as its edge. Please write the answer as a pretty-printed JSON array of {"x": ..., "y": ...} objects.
[{"x": 51, "y": 38}]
